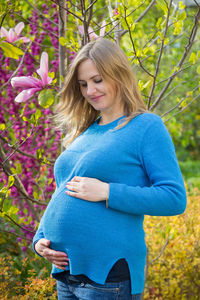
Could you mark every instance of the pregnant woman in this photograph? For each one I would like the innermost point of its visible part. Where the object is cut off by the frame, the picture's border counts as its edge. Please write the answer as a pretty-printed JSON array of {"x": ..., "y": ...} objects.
[{"x": 119, "y": 165}]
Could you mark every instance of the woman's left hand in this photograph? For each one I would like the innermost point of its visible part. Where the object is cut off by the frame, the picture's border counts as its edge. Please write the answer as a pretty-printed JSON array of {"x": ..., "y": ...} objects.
[{"x": 90, "y": 189}]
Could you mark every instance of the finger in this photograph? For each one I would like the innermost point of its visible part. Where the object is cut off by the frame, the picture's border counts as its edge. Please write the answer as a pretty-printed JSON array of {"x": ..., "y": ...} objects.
[
  {"x": 55, "y": 254},
  {"x": 77, "y": 178},
  {"x": 60, "y": 254},
  {"x": 73, "y": 186},
  {"x": 60, "y": 267},
  {"x": 73, "y": 194}
]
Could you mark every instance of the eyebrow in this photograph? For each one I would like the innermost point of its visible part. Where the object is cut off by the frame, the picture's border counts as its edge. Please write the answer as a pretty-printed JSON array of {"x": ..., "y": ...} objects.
[{"x": 90, "y": 77}]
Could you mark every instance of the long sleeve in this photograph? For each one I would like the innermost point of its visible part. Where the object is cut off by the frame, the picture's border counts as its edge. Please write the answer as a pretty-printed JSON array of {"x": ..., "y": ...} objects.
[
  {"x": 38, "y": 235},
  {"x": 166, "y": 196}
]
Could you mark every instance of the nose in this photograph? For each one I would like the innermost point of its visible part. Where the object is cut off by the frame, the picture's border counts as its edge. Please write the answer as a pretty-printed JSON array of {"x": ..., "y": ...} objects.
[{"x": 91, "y": 89}]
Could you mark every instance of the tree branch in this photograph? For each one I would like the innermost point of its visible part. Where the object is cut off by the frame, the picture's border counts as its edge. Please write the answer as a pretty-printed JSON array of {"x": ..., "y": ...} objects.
[
  {"x": 15, "y": 234},
  {"x": 187, "y": 49},
  {"x": 141, "y": 16},
  {"x": 145, "y": 11},
  {"x": 159, "y": 57},
  {"x": 50, "y": 161},
  {"x": 8, "y": 157},
  {"x": 40, "y": 13},
  {"x": 18, "y": 183},
  {"x": 18, "y": 225},
  {"x": 181, "y": 110},
  {"x": 91, "y": 5},
  {"x": 161, "y": 252},
  {"x": 67, "y": 10},
  {"x": 62, "y": 33},
  {"x": 133, "y": 45}
]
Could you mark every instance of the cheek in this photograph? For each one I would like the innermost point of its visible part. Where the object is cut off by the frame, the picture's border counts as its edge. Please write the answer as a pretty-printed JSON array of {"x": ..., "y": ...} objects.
[{"x": 83, "y": 92}]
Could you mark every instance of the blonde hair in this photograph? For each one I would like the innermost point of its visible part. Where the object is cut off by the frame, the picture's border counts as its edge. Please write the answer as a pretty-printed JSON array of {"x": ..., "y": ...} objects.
[{"x": 74, "y": 113}]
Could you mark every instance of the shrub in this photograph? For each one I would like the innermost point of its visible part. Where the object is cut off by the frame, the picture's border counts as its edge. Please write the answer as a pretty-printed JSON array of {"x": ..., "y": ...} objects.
[
  {"x": 20, "y": 280},
  {"x": 173, "y": 270},
  {"x": 175, "y": 274}
]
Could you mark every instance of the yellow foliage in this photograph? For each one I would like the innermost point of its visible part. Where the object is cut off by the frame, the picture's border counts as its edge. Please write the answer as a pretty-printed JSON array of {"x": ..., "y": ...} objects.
[{"x": 175, "y": 275}]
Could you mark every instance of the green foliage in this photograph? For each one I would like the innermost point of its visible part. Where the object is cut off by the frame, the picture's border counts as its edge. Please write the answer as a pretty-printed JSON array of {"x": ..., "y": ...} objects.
[
  {"x": 10, "y": 50},
  {"x": 46, "y": 98},
  {"x": 175, "y": 274},
  {"x": 191, "y": 173},
  {"x": 19, "y": 279}
]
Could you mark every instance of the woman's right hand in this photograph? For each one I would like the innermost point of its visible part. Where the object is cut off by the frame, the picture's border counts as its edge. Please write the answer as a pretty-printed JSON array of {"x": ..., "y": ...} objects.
[{"x": 58, "y": 258}]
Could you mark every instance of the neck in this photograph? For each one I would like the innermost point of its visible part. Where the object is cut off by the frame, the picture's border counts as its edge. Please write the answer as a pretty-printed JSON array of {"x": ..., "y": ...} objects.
[{"x": 108, "y": 118}]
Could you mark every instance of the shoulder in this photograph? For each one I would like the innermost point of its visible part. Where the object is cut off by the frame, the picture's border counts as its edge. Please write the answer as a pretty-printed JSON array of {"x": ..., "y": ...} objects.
[
  {"x": 151, "y": 128},
  {"x": 148, "y": 118},
  {"x": 146, "y": 121}
]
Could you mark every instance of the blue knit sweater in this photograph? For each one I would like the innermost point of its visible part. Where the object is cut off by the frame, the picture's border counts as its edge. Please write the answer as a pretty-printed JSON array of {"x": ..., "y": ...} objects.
[{"x": 139, "y": 163}]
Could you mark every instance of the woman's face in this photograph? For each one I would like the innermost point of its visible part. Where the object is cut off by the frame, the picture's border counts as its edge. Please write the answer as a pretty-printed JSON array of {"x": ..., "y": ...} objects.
[{"x": 98, "y": 92}]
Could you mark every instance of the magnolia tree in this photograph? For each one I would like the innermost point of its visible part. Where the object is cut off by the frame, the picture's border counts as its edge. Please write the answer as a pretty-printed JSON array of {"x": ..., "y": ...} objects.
[{"x": 38, "y": 42}]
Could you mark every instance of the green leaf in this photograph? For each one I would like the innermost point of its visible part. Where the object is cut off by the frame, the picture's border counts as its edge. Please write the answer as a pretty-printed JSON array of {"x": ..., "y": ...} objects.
[
  {"x": 62, "y": 41},
  {"x": 46, "y": 98},
  {"x": 193, "y": 58},
  {"x": 2, "y": 126},
  {"x": 12, "y": 211},
  {"x": 10, "y": 50},
  {"x": 198, "y": 69},
  {"x": 19, "y": 168},
  {"x": 181, "y": 5},
  {"x": 11, "y": 181},
  {"x": 182, "y": 16},
  {"x": 37, "y": 114},
  {"x": 39, "y": 153},
  {"x": 159, "y": 22},
  {"x": 178, "y": 26}
]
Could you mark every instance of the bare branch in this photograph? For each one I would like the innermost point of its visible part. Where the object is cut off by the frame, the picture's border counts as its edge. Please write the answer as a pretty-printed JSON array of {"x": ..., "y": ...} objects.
[
  {"x": 141, "y": 16},
  {"x": 177, "y": 72},
  {"x": 17, "y": 183},
  {"x": 62, "y": 33},
  {"x": 40, "y": 13},
  {"x": 18, "y": 225},
  {"x": 197, "y": 3},
  {"x": 159, "y": 57},
  {"x": 3, "y": 18},
  {"x": 91, "y": 5},
  {"x": 50, "y": 161},
  {"x": 179, "y": 103},
  {"x": 8, "y": 157},
  {"x": 133, "y": 45},
  {"x": 69, "y": 11},
  {"x": 187, "y": 49},
  {"x": 145, "y": 11},
  {"x": 15, "y": 234},
  {"x": 117, "y": 26},
  {"x": 161, "y": 252},
  {"x": 181, "y": 110},
  {"x": 90, "y": 9},
  {"x": 145, "y": 58},
  {"x": 44, "y": 29}
]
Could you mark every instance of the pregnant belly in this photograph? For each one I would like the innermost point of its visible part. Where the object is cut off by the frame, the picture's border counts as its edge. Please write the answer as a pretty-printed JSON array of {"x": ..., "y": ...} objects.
[
  {"x": 75, "y": 225},
  {"x": 72, "y": 222}
]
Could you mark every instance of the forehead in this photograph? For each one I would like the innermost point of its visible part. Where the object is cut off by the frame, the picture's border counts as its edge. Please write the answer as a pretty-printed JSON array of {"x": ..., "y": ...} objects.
[{"x": 86, "y": 70}]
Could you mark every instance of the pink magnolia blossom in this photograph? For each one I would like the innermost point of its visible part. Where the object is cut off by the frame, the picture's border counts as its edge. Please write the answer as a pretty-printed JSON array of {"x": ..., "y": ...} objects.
[
  {"x": 31, "y": 84},
  {"x": 13, "y": 34},
  {"x": 116, "y": 12},
  {"x": 93, "y": 35}
]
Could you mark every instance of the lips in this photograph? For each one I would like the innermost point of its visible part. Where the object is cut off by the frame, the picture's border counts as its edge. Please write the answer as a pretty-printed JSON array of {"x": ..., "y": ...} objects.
[{"x": 95, "y": 99}]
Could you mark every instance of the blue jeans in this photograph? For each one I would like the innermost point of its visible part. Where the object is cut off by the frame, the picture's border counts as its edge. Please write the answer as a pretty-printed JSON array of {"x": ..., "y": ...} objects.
[{"x": 72, "y": 290}]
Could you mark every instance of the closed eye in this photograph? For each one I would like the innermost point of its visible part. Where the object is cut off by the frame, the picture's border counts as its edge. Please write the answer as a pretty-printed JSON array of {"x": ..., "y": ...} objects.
[
  {"x": 98, "y": 81},
  {"x": 84, "y": 84}
]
